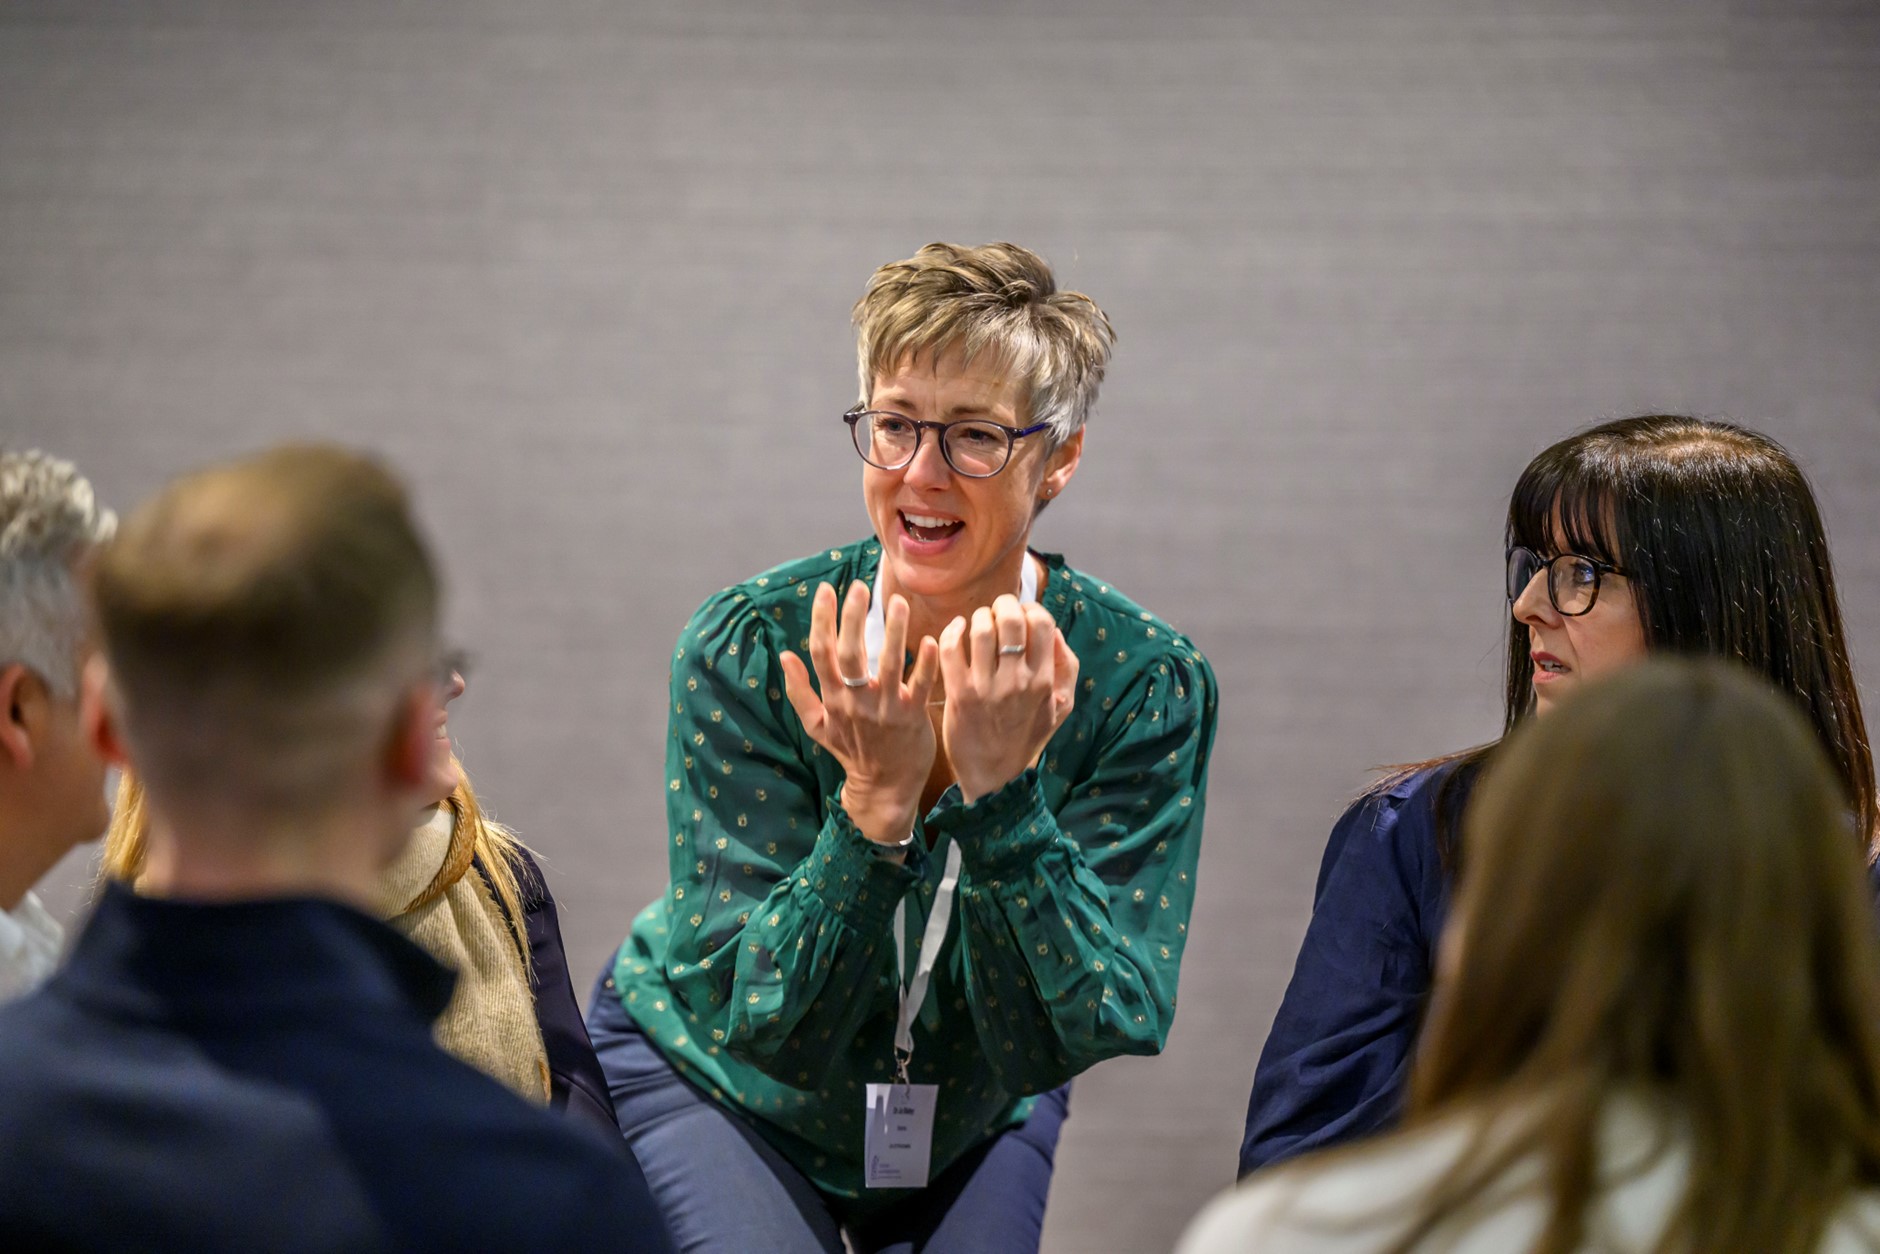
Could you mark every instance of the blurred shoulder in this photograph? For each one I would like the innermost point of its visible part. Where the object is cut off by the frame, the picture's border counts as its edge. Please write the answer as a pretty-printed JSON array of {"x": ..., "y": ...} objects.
[
  {"x": 517, "y": 1171},
  {"x": 30, "y": 1026},
  {"x": 1343, "y": 1201}
]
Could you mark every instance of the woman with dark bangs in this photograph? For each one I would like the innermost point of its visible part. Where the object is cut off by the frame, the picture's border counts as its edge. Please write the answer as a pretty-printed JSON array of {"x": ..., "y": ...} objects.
[
  {"x": 1643, "y": 535},
  {"x": 1656, "y": 1024}
]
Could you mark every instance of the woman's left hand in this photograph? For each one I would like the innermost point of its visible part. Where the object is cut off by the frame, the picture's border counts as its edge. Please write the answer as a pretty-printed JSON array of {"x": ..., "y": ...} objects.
[{"x": 1010, "y": 684}]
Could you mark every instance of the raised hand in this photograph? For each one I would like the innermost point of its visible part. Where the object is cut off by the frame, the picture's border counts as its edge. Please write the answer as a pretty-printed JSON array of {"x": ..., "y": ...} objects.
[
  {"x": 878, "y": 729},
  {"x": 1010, "y": 684}
]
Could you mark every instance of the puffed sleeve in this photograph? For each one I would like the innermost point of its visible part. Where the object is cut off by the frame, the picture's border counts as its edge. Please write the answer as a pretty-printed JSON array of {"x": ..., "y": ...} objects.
[
  {"x": 1337, "y": 1060},
  {"x": 1073, "y": 922},
  {"x": 779, "y": 908}
]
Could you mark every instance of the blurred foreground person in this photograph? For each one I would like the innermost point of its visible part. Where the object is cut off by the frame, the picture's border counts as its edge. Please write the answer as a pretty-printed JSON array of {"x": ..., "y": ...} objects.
[
  {"x": 466, "y": 890},
  {"x": 51, "y": 780},
  {"x": 1641, "y": 536},
  {"x": 242, "y": 1057},
  {"x": 1657, "y": 1024}
]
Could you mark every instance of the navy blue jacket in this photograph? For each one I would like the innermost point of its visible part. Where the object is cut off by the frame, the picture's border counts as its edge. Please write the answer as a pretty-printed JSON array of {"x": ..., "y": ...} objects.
[
  {"x": 261, "y": 1076},
  {"x": 1336, "y": 1065},
  {"x": 1337, "y": 1061}
]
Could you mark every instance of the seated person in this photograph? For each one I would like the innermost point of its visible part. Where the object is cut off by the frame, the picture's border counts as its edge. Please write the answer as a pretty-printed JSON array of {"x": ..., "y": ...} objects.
[
  {"x": 241, "y": 1056},
  {"x": 1644, "y": 535},
  {"x": 935, "y": 742},
  {"x": 1656, "y": 1024},
  {"x": 51, "y": 781},
  {"x": 467, "y": 891}
]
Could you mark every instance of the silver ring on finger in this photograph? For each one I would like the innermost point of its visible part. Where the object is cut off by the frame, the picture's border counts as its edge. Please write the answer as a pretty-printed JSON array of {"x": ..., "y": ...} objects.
[
  {"x": 854, "y": 683},
  {"x": 1011, "y": 650}
]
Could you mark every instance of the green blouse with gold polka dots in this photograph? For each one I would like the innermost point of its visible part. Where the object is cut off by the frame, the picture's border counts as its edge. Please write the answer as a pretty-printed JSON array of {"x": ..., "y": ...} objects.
[{"x": 766, "y": 972}]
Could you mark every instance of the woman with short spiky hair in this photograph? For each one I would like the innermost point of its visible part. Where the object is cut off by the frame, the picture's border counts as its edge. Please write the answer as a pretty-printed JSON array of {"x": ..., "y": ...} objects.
[{"x": 934, "y": 812}]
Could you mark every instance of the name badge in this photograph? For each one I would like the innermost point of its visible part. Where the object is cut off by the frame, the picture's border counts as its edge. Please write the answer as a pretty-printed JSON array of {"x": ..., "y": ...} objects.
[{"x": 898, "y": 1148}]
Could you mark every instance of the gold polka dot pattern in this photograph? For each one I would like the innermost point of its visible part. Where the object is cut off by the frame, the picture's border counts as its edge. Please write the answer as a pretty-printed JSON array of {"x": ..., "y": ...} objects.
[{"x": 765, "y": 972}]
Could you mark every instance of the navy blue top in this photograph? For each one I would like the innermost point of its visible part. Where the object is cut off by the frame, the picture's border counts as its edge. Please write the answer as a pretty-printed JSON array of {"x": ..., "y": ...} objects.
[
  {"x": 1336, "y": 1065},
  {"x": 261, "y": 1076},
  {"x": 1337, "y": 1061},
  {"x": 577, "y": 1086}
]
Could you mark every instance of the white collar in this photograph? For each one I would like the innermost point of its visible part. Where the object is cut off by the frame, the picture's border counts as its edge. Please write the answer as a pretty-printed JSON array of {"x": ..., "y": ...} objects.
[
  {"x": 30, "y": 939},
  {"x": 875, "y": 631}
]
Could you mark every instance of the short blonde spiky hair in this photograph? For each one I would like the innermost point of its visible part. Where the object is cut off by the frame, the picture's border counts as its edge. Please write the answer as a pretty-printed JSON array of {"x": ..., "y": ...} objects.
[{"x": 996, "y": 298}]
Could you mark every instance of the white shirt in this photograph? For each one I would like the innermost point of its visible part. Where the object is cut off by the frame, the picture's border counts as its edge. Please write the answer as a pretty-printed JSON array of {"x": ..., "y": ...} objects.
[
  {"x": 30, "y": 939},
  {"x": 1365, "y": 1200}
]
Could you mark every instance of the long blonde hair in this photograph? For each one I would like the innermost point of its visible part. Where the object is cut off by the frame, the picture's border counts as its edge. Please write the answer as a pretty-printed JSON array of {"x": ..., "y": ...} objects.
[
  {"x": 1662, "y": 895},
  {"x": 475, "y": 837}
]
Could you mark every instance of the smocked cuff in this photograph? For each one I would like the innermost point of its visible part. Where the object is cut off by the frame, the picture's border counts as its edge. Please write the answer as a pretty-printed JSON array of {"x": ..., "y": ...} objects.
[
  {"x": 1003, "y": 832},
  {"x": 853, "y": 880}
]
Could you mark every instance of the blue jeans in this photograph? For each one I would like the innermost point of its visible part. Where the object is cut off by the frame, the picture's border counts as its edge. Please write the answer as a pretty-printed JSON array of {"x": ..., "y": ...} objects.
[{"x": 723, "y": 1189}]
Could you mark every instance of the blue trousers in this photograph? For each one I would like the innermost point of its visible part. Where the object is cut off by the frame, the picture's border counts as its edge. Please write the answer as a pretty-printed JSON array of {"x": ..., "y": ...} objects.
[{"x": 723, "y": 1189}]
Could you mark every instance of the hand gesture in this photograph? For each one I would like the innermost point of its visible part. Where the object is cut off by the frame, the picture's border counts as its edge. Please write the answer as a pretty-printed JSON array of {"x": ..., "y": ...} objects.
[
  {"x": 878, "y": 729},
  {"x": 1010, "y": 684}
]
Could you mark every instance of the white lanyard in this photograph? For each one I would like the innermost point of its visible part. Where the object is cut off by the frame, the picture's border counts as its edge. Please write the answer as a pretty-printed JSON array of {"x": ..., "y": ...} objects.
[
  {"x": 914, "y": 990},
  {"x": 875, "y": 630}
]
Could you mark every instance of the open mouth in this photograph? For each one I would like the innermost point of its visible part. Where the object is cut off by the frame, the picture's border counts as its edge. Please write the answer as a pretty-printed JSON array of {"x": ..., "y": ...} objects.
[
  {"x": 1550, "y": 666},
  {"x": 929, "y": 528}
]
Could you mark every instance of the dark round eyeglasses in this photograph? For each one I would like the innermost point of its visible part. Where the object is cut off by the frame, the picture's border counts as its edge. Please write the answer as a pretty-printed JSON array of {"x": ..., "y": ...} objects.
[
  {"x": 973, "y": 447},
  {"x": 1572, "y": 580}
]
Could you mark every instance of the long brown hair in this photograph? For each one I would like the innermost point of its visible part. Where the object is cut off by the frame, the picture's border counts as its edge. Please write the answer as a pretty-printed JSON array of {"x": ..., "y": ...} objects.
[
  {"x": 475, "y": 838},
  {"x": 1659, "y": 898},
  {"x": 1724, "y": 546}
]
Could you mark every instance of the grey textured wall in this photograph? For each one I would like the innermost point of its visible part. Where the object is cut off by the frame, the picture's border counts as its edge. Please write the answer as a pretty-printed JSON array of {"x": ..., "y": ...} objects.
[{"x": 582, "y": 270}]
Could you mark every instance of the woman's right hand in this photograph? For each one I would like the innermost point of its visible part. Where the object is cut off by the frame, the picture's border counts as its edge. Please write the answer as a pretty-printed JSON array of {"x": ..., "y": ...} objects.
[{"x": 879, "y": 731}]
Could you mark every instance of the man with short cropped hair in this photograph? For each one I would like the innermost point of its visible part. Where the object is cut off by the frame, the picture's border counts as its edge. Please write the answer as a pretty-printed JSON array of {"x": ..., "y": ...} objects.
[
  {"x": 51, "y": 780},
  {"x": 238, "y": 1056}
]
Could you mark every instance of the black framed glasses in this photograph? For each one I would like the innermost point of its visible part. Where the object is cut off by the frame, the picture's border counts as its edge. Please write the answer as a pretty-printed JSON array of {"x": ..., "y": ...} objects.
[
  {"x": 1572, "y": 580},
  {"x": 973, "y": 447}
]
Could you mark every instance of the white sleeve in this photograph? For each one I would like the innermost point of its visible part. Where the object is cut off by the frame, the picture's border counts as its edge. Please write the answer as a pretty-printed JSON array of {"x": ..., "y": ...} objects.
[{"x": 1252, "y": 1217}]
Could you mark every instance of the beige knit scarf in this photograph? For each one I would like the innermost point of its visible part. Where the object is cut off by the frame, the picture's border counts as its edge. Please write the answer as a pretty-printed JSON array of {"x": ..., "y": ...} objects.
[{"x": 439, "y": 901}]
